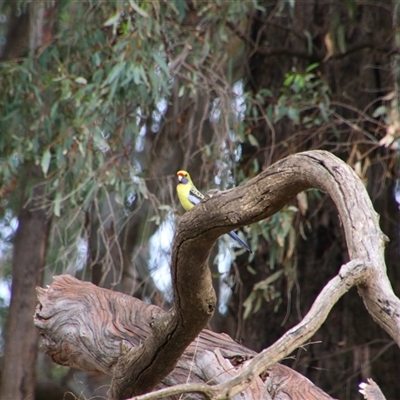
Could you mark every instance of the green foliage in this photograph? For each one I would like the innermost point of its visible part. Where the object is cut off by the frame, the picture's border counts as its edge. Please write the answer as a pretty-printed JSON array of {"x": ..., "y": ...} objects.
[
  {"x": 279, "y": 232},
  {"x": 78, "y": 108},
  {"x": 264, "y": 290},
  {"x": 304, "y": 99},
  {"x": 66, "y": 110}
]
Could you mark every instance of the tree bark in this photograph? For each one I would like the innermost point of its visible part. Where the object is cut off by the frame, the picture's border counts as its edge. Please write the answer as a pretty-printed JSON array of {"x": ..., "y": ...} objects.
[
  {"x": 20, "y": 351},
  {"x": 26, "y": 32},
  {"x": 140, "y": 369}
]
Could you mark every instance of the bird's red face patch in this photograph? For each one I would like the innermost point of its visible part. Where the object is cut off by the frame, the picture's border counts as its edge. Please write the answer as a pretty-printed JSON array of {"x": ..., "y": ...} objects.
[{"x": 182, "y": 176}]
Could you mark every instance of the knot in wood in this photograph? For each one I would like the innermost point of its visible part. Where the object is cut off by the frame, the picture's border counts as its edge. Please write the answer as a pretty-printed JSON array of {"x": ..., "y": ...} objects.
[
  {"x": 233, "y": 217},
  {"x": 211, "y": 306}
]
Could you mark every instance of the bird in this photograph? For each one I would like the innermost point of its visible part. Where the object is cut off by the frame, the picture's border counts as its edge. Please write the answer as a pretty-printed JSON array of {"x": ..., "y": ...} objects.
[{"x": 189, "y": 196}]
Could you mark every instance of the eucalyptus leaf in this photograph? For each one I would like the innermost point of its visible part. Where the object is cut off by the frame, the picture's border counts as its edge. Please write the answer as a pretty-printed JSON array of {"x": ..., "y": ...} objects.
[{"x": 45, "y": 161}]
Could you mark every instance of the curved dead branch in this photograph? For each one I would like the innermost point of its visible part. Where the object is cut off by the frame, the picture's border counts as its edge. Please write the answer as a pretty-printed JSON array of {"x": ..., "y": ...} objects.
[
  {"x": 258, "y": 199},
  {"x": 139, "y": 369},
  {"x": 350, "y": 274}
]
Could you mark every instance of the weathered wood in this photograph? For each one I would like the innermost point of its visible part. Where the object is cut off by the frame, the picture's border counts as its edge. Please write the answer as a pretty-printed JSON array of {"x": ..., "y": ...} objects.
[
  {"x": 84, "y": 327},
  {"x": 140, "y": 368},
  {"x": 371, "y": 391}
]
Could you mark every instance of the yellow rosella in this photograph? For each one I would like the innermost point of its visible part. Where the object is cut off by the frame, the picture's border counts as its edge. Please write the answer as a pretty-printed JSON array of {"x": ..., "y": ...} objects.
[{"x": 189, "y": 196}]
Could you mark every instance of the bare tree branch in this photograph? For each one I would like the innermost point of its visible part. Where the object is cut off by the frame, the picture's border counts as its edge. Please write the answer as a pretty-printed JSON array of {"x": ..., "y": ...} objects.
[{"x": 381, "y": 45}]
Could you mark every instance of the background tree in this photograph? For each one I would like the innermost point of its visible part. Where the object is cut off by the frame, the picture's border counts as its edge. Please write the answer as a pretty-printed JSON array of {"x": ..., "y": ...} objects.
[{"x": 103, "y": 102}]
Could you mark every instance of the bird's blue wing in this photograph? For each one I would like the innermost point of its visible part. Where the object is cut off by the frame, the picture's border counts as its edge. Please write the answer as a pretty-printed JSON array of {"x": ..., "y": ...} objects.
[{"x": 195, "y": 197}]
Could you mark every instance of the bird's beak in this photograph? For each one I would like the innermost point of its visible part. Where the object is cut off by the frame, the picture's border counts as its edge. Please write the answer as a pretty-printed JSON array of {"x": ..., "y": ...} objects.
[{"x": 180, "y": 177}]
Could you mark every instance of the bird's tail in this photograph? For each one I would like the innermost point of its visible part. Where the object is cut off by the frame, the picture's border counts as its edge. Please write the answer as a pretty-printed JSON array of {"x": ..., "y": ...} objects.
[{"x": 234, "y": 236}]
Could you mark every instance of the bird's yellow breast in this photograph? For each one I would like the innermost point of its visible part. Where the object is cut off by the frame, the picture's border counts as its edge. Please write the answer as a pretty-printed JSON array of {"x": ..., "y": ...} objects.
[{"x": 183, "y": 191}]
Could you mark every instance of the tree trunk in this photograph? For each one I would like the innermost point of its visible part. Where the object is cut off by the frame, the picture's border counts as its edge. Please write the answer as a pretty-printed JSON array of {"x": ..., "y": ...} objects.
[
  {"x": 28, "y": 30},
  {"x": 18, "y": 377}
]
